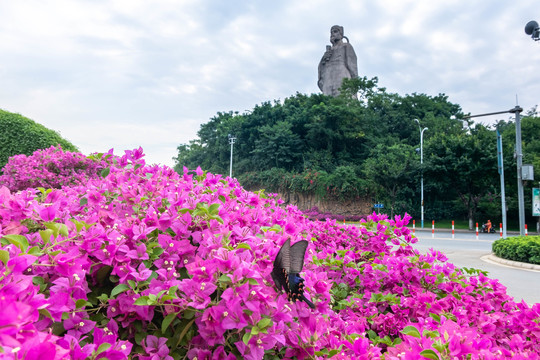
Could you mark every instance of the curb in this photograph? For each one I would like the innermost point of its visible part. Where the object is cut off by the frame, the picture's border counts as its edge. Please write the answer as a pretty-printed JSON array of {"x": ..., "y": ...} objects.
[
  {"x": 509, "y": 232},
  {"x": 516, "y": 264}
]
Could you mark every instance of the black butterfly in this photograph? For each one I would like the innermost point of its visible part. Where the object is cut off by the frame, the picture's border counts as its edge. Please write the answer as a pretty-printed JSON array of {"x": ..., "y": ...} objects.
[{"x": 287, "y": 267}]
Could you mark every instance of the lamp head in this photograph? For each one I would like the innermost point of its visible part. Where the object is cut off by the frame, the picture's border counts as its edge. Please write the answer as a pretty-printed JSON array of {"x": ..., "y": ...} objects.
[{"x": 533, "y": 29}]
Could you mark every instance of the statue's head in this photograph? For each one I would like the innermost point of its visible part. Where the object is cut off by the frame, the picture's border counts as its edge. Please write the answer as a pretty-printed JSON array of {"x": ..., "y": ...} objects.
[{"x": 336, "y": 34}]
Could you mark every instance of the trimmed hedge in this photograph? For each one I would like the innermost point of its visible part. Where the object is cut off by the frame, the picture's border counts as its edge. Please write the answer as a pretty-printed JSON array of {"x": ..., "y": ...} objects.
[
  {"x": 20, "y": 135},
  {"x": 520, "y": 248}
]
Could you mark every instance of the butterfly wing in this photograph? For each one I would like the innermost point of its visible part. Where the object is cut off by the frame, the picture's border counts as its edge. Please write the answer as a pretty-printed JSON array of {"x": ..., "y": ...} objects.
[
  {"x": 297, "y": 254},
  {"x": 295, "y": 282},
  {"x": 287, "y": 265},
  {"x": 282, "y": 266}
]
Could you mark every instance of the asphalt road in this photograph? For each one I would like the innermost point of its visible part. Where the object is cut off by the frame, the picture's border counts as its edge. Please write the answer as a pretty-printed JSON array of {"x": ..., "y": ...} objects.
[{"x": 465, "y": 251}]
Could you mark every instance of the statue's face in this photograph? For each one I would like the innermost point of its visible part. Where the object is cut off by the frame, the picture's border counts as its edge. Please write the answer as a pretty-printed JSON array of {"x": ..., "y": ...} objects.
[{"x": 335, "y": 35}]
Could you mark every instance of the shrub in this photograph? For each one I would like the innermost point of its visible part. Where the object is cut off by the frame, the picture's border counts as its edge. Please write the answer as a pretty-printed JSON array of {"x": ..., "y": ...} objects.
[
  {"x": 51, "y": 168},
  {"x": 520, "y": 248},
  {"x": 145, "y": 263},
  {"x": 342, "y": 184},
  {"x": 20, "y": 135}
]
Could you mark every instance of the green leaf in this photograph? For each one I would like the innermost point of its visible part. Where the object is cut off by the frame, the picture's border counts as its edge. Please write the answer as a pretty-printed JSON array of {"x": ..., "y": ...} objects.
[
  {"x": 243, "y": 246},
  {"x": 322, "y": 352},
  {"x": 78, "y": 224},
  {"x": 103, "y": 347},
  {"x": 143, "y": 300},
  {"x": 38, "y": 280},
  {"x": 334, "y": 352},
  {"x": 188, "y": 314},
  {"x": 103, "y": 297},
  {"x": 430, "y": 354},
  {"x": 53, "y": 227},
  {"x": 34, "y": 250},
  {"x": 45, "y": 313},
  {"x": 431, "y": 334},
  {"x": 63, "y": 230},
  {"x": 46, "y": 235},
  {"x": 184, "y": 331},
  {"x": 4, "y": 256},
  {"x": 118, "y": 289},
  {"x": 213, "y": 209},
  {"x": 81, "y": 302},
  {"x": 105, "y": 172},
  {"x": 225, "y": 278},
  {"x": 264, "y": 323},
  {"x": 173, "y": 289},
  {"x": 435, "y": 317},
  {"x": 246, "y": 338},
  {"x": 167, "y": 321},
  {"x": 18, "y": 240},
  {"x": 411, "y": 331}
]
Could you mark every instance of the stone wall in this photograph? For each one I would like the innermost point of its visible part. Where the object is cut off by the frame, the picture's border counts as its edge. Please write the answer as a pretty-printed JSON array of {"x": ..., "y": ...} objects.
[{"x": 350, "y": 207}]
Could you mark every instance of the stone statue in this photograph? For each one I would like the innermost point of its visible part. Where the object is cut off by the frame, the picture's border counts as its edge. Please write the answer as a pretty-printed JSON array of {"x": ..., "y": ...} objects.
[{"x": 338, "y": 62}]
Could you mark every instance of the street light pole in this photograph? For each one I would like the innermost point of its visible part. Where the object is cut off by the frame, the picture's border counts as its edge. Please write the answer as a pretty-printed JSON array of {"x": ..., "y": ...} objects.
[
  {"x": 422, "y": 170},
  {"x": 519, "y": 157},
  {"x": 232, "y": 139}
]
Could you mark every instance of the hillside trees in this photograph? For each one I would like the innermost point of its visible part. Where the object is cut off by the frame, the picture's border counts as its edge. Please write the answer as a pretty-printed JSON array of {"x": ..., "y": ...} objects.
[{"x": 372, "y": 138}]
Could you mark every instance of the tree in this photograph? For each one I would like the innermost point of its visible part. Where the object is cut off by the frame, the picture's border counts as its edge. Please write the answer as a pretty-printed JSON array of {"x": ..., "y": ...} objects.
[
  {"x": 462, "y": 165},
  {"x": 392, "y": 168},
  {"x": 277, "y": 146}
]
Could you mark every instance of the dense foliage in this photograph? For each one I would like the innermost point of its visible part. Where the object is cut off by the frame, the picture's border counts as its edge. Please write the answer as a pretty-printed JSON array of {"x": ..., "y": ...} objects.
[
  {"x": 369, "y": 147},
  {"x": 149, "y": 264},
  {"x": 519, "y": 248},
  {"x": 20, "y": 135}
]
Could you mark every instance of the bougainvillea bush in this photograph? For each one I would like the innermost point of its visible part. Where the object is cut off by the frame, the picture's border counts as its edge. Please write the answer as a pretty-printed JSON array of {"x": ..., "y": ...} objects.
[
  {"x": 51, "y": 168},
  {"x": 143, "y": 263}
]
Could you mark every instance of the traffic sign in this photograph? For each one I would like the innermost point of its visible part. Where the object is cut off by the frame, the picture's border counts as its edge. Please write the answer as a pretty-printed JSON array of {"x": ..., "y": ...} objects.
[{"x": 378, "y": 206}]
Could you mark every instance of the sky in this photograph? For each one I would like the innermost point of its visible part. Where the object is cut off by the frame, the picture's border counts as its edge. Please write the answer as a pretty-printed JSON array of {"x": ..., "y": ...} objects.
[{"x": 127, "y": 73}]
